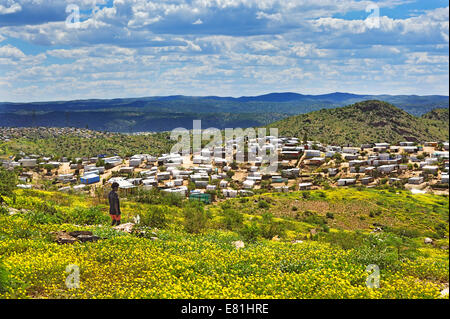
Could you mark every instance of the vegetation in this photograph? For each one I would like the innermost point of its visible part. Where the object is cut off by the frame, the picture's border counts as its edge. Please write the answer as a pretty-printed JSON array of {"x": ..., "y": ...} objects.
[
  {"x": 365, "y": 122},
  {"x": 320, "y": 249},
  {"x": 72, "y": 146}
]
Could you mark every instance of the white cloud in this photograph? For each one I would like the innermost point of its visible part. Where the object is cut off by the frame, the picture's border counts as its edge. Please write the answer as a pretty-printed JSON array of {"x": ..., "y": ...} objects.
[
  {"x": 15, "y": 7},
  {"x": 9, "y": 51}
]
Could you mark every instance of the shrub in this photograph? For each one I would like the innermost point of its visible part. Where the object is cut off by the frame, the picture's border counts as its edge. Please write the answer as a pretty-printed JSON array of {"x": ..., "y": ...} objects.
[
  {"x": 232, "y": 219},
  {"x": 271, "y": 228},
  {"x": 89, "y": 216},
  {"x": 195, "y": 217},
  {"x": 263, "y": 204},
  {"x": 3, "y": 211},
  {"x": 8, "y": 181},
  {"x": 250, "y": 232},
  {"x": 330, "y": 215},
  {"x": 156, "y": 216}
]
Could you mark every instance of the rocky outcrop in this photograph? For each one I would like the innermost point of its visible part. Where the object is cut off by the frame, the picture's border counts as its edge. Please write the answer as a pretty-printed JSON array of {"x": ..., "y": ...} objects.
[{"x": 63, "y": 237}]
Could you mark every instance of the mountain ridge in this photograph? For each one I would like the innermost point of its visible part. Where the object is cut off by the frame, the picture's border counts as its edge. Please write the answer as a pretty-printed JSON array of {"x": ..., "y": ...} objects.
[{"x": 365, "y": 122}]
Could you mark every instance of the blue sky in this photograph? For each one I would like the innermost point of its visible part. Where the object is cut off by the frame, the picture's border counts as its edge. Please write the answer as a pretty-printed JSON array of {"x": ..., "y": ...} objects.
[{"x": 133, "y": 48}]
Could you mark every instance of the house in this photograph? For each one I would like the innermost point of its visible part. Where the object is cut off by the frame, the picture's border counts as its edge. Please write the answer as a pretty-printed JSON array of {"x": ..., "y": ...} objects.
[
  {"x": 431, "y": 144},
  {"x": 445, "y": 145},
  {"x": 23, "y": 186},
  {"x": 278, "y": 179},
  {"x": 316, "y": 161},
  {"x": 291, "y": 155},
  {"x": 126, "y": 170},
  {"x": 332, "y": 171},
  {"x": 312, "y": 153},
  {"x": 346, "y": 181},
  {"x": 223, "y": 184},
  {"x": 430, "y": 169},
  {"x": 135, "y": 161},
  {"x": 366, "y": 180},
  {"x": 406, "y": 143},
  {"x": 90, "y": 179},
  {"x": 163, "y": 176},
  {"x": 201, "y": 184},
  {"x": 202, "y": 197},
  {"x": 248, "y": 184},
  {"x": 444, "y": 178},
  {"x": 385, "y": 169},
  {"x": 415, "y": 180},
  {"x": 78, "y": 188},
  {"x": 350, "y": 150},
  {"x": 290, "y": 173},
  {"x": 350, "y": 156},
  {"x": 381, "y": 147},
  {"x": 28, "y": 162},
  {"x": 410, "y": 149},
  {"x": 282, "y": 189},
  {"x": 304, "y": 186},
  {"x": 230, "y": 193},
  {"x": 113, "y": 161}
]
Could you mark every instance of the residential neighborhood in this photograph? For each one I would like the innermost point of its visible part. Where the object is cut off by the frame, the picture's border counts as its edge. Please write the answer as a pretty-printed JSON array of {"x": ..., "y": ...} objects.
[{"x": 209, "y": 175}]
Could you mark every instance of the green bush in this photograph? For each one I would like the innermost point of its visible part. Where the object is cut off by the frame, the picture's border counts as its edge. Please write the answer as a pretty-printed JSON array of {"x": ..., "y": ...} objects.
[
  {"x": 156, "y": 216},
  {"x": 232, "y": 219},
  {"x": 263, "y": 204},
  {"x": 195, "y": 217},
  {"x": 8, "y": 180},
  {"x": 3, "y": 211},
  {"x": 250, "y": 232},
  {"x": 270, "y": 228},
  {"x": 89, "y": 216}
]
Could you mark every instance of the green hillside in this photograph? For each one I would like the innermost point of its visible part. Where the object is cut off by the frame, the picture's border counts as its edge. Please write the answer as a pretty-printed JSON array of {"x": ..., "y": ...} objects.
[
  {"x": 366, "y": 122},
  {"x": 440, "y": 114}
]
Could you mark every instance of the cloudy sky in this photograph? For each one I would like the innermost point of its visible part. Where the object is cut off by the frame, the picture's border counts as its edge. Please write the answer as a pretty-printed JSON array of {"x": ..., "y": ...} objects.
[{"x": 134, "y": 48}]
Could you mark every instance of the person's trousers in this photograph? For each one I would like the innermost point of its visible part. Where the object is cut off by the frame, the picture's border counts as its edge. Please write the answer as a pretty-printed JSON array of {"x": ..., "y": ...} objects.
[{"x": 115, "y": 217}]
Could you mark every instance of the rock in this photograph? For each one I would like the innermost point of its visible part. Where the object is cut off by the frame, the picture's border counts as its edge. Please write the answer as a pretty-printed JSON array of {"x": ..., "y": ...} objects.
[
  {"x": 297, "y": 241},
  {"x": 377, "y": 230},
  {"x": 444, "y": 247},
  {"x": 13, "y": 211},
  {"x": 313, "y": 232},
  {"x": 154, "y": 238},
  {"x": 238, "y": 244},
  {"x": 276, "y": 238},
  {"x": 128, "y": 227},
  {"x": 85, "y": 238},
  {"x": 61, "y": 237},
  {"x": 80, "y": 232},
  {"x": 428, "y": 240}
]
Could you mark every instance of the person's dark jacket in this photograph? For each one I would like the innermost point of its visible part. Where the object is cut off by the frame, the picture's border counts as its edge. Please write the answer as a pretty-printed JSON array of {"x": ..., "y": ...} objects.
[{"x": 114, "y": 205}]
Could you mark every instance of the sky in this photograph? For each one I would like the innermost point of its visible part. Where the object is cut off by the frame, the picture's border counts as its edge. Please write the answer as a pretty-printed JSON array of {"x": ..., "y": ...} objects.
[{"x": 136, "y": 48}]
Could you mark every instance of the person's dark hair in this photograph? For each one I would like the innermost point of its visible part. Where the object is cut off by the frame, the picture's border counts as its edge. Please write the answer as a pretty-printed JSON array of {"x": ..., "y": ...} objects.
[{"x": 115, "y": 185}]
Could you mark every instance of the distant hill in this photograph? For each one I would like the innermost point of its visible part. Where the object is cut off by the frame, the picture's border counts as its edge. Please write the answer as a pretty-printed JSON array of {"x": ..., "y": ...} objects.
[
  {"x": 366, "y": 122},
  {"x": 162, "y": 113},
  {"x": 439, "y": 114}
]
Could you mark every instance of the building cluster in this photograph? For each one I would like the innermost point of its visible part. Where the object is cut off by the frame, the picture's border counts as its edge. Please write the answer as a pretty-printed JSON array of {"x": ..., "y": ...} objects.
[{"x": 210, "y": 172}]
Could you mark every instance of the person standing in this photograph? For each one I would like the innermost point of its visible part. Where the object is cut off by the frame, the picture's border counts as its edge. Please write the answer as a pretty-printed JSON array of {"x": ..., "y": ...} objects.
[{"x": 114, "y": 204}]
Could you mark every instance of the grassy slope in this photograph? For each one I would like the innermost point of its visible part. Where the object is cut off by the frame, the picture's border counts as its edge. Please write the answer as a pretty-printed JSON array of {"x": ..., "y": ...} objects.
[
  {"x": 364, "y": 122},
  {"x": 181, "y": 265},
  {"x": 75, "y": 146}
]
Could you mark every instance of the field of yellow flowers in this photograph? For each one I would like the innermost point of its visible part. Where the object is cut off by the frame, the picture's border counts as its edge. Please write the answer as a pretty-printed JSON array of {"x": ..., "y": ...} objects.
[{"x": 183, "y": 265}]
